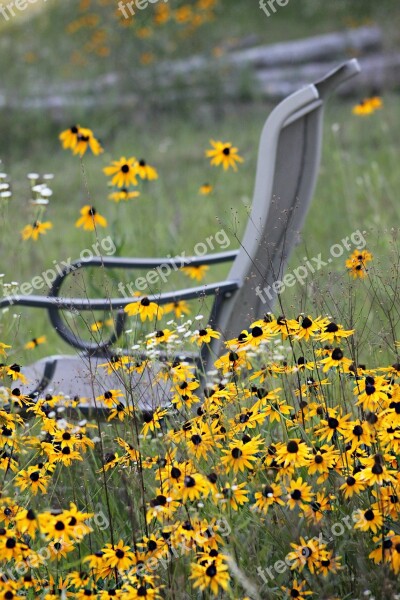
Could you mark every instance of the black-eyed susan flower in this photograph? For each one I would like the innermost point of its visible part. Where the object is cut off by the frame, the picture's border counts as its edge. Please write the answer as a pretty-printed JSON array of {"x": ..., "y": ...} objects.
[
  {"x": 67, "y": 456},
  {"x": 385, "y": 546},
  {"x": 307, "y": 327},
  {"x": 294, "y": 453},
  {"x": 123, "y": 172},
  {"x": 297, "y": 590},
  {"x": 201, "y": 438},
  {"x": 368, "y": 520},
  {"x": 162, "y": 507},
  {"x": 27, "y": 522},
  {"x": 241, "y": 455},
  {"x": 257, "y": 335},
  {"x": 334, "y": 333},
  {"x": 247, "y": 419},
  {"x": 388, "y": 500},
  {"x": 284, "y": 326},
  {"x": 223, "y": 153},
  {"x": 205, "y": 189},
  {"x": 358, "y": 434},
  {"x": 336, "y": 359},
  {"x": 79, "y": 139},
  {"x": 322, "y": 460},
  {"x": 299, "y": 494},
  {"x": 34, "y": 342},
  {"x": 90, "y": 219},
  {"x": 193, "y": 487},
  {"x": 98, "y": 325},
  {"x": 145, "y": 308},
  {"x": 115, "y": 363},
  {"x": 120, "y": 556},
  {"x": 145, "y": 171},
  {"x": 123, "y": 195},
  {"x": 152, "y": 420},
  {"x": 333, "y": 424},
  {"x": 329, "y": 564},
  {"x": 11, "y": 548},
  {"x": 141, "y": 589},
  {"x": 10, "y": 590},
  {"x": 363, "y": 108},
  {"x": 67, "y": 525},
  {"x": 162, "y": 336},
  {"x": 204, "y": 336},
  {"x": 3, "y": 348},
  {"x": 376, "y": 471},
  {"x": 356, "y": 263},
  {"x": 37, "y": 228},
  {"x": 307, "y": 553},
  {"x": 395, "y": 558},
  {"x": 14, "y": 371},
  {"x": 120, "y": 411},
  {"x": 367, "y": 106},
  {"x": 270, "y": 494},
  {"x": 196, "y": 272},
  {"x": 8, "y": 511},
  {"x": 372, "y": 392},
  {"x": 318, "y": 507},
  {"x": 85, "y": 140},
  {"x": 186, "y": 387},
  {"x": 214, "y": 575},
  {"x": 110, "y": 398},
  {"x": 232, "y": 361},
  {"x": 179, "y": 308},
  {"x": 233, "y": 495},
  {"x": 69, "y": 137}
]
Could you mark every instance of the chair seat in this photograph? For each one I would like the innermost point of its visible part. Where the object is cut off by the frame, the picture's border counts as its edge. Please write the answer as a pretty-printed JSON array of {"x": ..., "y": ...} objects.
[{"x": 82, "y": 376}]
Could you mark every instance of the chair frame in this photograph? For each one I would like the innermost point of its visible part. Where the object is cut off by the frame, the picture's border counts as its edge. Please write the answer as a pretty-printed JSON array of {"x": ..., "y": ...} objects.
[{"x": 255, "y": 263}]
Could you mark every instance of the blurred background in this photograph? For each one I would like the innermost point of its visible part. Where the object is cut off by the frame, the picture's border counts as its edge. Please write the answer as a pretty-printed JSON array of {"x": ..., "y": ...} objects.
[{"x": 159, "y": 85}]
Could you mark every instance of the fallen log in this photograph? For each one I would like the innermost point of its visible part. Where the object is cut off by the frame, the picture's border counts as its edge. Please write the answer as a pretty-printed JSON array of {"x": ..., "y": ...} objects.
[
  {"x": 192, "y": 70},
  {"x": 318, "y": 48},
  {"x": 272, "y": 72},
  {"x": 378, "y": 73}
]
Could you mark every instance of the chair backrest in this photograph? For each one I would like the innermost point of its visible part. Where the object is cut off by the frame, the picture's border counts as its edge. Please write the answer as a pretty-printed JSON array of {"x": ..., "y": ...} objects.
[{"x": 288, "y": 163}]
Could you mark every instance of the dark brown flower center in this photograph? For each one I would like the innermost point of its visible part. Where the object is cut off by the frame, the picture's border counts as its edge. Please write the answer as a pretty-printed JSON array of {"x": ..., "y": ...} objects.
[
  {"x": 292, "y": 447},
  {"x": 236, "y": 453},
  {"x": 337, "y": 354}
]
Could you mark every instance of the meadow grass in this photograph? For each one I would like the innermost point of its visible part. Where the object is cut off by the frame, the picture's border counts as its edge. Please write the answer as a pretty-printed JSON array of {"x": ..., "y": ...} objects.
[{"x": 356, "y": 190}]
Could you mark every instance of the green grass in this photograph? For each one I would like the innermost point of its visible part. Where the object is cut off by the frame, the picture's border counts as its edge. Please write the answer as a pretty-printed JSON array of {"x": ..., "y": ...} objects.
[{"x": 356, "y": 190}]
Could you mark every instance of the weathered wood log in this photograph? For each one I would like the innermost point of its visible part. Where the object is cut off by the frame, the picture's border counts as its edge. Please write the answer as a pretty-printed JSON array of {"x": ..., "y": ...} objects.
[
  {"x": 191, "y": 70},
  {"x": 378, "y": 72},
  {"x": 318, "y": 48},
  {"x": 272, "y": 71}
]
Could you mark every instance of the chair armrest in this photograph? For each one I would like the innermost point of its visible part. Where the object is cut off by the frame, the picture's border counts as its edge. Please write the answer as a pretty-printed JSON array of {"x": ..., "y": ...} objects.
[
  {"x": 116, "y": 262},
  {"x": 53, "y": 303}
]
